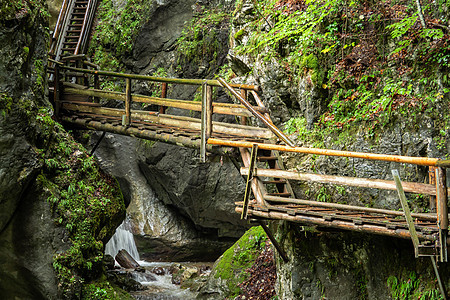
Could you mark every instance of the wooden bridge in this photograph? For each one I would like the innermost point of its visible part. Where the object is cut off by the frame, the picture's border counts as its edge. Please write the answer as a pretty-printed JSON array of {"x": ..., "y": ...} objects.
[{"x": 79, "y": 101}]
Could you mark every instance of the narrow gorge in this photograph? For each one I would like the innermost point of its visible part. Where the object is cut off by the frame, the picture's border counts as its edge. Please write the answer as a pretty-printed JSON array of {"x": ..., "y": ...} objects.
[{"x": 350, "y": 76}]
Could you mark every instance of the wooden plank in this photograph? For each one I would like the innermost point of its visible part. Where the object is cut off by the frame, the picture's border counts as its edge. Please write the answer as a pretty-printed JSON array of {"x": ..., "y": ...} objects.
[
  {"x": 203, "y": 125},
  {"x": 257, "y": 186},
  {"x": 410, "y": 187},
  {"x": 422, "y": 161},
  {"x": 407, "y": 212}
]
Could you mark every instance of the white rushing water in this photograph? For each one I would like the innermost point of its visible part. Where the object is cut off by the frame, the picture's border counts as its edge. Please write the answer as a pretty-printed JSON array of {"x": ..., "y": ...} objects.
[{"x": 122, "y": 239}]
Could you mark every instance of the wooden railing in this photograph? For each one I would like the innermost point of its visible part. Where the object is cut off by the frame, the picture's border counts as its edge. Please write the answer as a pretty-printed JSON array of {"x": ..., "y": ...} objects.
[{"x": 207, "y": 107}]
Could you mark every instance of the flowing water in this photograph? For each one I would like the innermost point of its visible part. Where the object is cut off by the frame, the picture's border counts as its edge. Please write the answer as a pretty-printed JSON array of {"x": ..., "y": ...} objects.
[{"x": 160, "y": 289}]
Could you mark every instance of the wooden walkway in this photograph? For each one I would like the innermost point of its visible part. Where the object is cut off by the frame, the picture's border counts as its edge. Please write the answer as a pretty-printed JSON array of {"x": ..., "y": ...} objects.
[{"x": 80, "y": 102}]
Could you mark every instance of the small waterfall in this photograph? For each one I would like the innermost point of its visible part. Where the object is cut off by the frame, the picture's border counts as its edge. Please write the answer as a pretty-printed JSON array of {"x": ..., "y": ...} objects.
[{"x": 122, "y": 239}]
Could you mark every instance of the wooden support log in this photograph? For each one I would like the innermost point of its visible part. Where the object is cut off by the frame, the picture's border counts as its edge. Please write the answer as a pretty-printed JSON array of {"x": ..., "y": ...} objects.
[
  {"x": 146, "y": 134},
  {"x": 421, "y": 161},
  {"x": 410, "y": 187},
  {"x": 316, "y": 221},
  {"x": 209, "y": 111},
  {"x": 125, "y": 260},
  {"x": 218, "y": 108},
  {"x": 56, "y": 91},
  {"x": 432, "y": 181},
  {"x": 176, "y": 121},
  {"x": 442, "y": 211}
]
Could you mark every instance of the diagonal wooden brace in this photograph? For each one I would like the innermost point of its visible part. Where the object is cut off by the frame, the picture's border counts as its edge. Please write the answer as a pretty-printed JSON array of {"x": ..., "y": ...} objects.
[
  {"x": 249, "y": 181},
  {"x": 407, "y": 212}
]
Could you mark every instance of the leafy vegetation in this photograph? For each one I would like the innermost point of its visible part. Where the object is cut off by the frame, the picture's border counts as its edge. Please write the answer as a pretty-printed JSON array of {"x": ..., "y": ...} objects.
[
  {"x": 373, "y": 61},
  {"x": 412, "y": 288}
]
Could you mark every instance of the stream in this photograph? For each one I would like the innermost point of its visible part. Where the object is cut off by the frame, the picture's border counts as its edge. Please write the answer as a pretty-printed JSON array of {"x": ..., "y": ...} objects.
[{"x": 157, "y": 278}]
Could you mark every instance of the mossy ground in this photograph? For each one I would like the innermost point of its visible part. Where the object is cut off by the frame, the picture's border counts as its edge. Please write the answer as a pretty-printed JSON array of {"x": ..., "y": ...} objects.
[{"x": 236, "y": 260}]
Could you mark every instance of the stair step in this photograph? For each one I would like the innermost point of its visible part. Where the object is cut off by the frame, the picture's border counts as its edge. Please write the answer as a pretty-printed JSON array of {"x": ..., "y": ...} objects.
[
  {"x": 273, "y": 181},
  {"x": 75, "y": 25},
  {"x": 74, "y": 31},
  {"x": 279, "y": 194},
  {"x": 78, "y": 14},
  {"x": 267, "y": 158},
  {"x": 77, "y": 19}
]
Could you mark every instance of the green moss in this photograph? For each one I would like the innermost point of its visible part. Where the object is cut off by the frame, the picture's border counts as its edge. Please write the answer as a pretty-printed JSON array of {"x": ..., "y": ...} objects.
[
  {"x": 86, "y": 202},
  {"x": 233, "y": 263},
  {"x": 199, "y": 39},
  {"x": 100, "y": 290}
]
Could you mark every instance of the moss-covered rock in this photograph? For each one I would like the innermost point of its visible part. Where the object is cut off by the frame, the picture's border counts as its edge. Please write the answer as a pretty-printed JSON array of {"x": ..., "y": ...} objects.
[{"x": 230, "y": 269}]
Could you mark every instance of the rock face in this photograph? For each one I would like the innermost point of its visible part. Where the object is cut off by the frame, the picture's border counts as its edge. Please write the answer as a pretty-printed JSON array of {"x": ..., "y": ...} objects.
[
  {"x": 339, "y": 265},
  {"x": 176, "y": 205},
  {"x": 41, "y": 230},
  {"x": 25, "y": 254}
]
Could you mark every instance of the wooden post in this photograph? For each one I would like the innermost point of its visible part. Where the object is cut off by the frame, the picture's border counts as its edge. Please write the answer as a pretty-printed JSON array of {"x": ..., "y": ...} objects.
[
  {"x": 203, "y": 125},
  {"x": 56, "y": 90},
  {"x": 249, "y": 181},
  {"x": 442, "y": 210},
  {"x": 162, "y": 109},
  {"x": 244, "y": 95},
  {"x": 128, "y": 102},
  {"x": 96, "y": 86},
  {"x": 209, "y": 111},
  {"x": 409, "y": 220}
]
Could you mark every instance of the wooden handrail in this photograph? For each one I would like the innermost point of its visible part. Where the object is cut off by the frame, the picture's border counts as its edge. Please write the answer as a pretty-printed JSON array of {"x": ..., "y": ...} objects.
[
  {"x": 218, "y": 108},
  {"x": 421, "y": 161},
  {"x": 198, "y": 82}
]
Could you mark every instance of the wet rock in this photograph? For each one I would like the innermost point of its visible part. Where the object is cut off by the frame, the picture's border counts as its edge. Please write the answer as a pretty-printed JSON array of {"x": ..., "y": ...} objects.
[
  {"x": 125, "y": 280},
  {"x": 109, "y": 262},
  {"x": 158, "y": 271}
]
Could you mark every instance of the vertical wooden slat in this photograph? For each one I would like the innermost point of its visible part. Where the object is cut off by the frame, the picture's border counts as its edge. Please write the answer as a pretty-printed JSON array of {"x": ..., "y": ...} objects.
[
  {"x": 209, "y": 112},
  {"x": 128, "y": 102},
  {"x": 244, "y": 95},
  {"x": 162, "y": 109}
]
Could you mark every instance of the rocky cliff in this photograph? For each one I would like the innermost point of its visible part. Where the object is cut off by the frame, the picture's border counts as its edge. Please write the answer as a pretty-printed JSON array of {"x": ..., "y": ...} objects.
[{"x": 57, "y": 207}]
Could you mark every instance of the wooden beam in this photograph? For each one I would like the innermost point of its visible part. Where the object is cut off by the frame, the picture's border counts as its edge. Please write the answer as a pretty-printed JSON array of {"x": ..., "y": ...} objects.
[
  {"x": 422, "y": 161},
  {"x": 410, "y": 187},
  {"x": 145, "y": 134}
]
